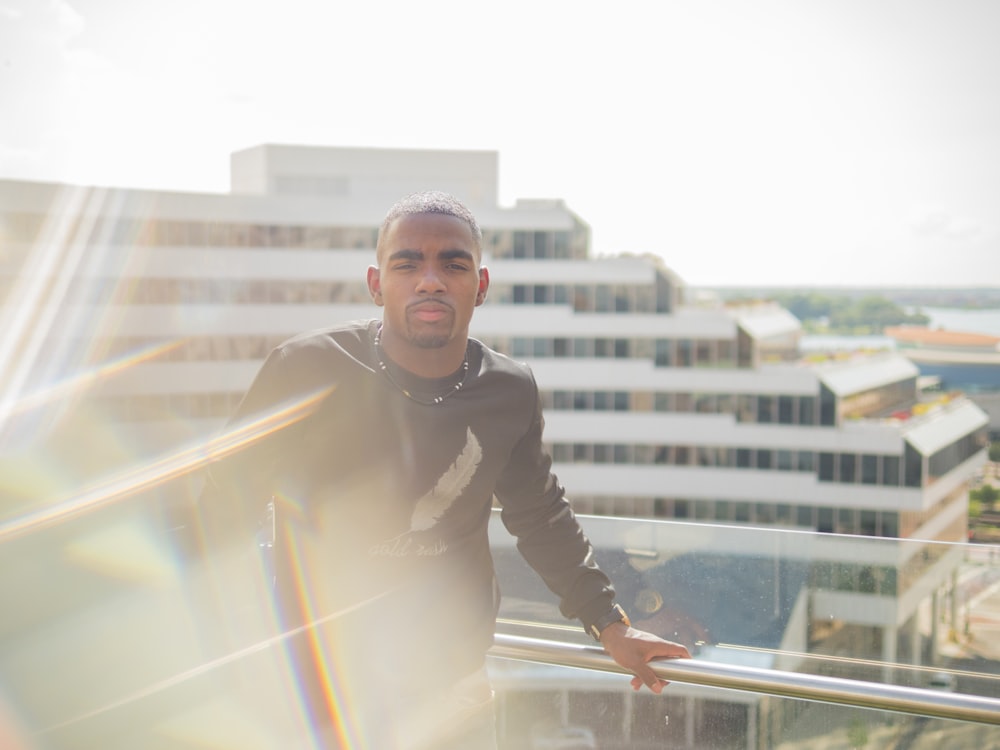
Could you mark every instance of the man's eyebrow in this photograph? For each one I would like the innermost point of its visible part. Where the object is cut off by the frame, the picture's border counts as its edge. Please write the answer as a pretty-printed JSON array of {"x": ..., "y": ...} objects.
[
  {"x": 406, "y": 255},
  {"x": 457, "y": 253}
]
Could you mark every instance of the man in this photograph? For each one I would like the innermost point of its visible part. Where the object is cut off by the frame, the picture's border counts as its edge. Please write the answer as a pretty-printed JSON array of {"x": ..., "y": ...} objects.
[{"x": 383, "y": 494}]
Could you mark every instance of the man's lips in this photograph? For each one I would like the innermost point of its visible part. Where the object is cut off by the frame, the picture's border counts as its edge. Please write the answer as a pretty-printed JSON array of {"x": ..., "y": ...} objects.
[{"x": 430, "y": 312}]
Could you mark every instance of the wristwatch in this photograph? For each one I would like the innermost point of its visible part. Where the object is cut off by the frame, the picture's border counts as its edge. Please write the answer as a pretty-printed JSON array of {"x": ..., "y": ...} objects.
[{"x": 613, "y": 615}]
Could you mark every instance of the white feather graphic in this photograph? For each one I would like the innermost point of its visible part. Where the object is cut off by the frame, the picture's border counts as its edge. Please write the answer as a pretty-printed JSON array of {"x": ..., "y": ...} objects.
[{"x": 435, "y": 503}]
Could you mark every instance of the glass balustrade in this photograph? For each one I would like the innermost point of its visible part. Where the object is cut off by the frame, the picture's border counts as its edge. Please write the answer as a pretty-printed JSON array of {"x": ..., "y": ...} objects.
[{"x": 114, "y": 635}]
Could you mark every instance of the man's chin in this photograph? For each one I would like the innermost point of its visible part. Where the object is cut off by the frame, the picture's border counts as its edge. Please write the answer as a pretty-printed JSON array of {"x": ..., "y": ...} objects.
[
  {"x": 429, "y": 339},
  {"x": 430, "y": 342},
  {"x": 433, "y": 337}
]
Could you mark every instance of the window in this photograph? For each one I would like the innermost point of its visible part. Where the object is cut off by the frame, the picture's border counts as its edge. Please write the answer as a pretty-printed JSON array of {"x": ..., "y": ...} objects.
[
  {"x": 685, "y": 353},
  {"x": 765, "y": 409},
  {"x": 869, "y": 469},
  {"x": 703, "y": 353},
  {"x": 602, "y": 298},
  {"x": 890, "y": 471},
  {"x": 746, "y": 407},
  {"x": 664, "y": 353},
  {"x": 868, "y": 523},
  {"x": 824, "y": 521},
  {"x": 847, "y": 463},
  {"x": 622, "y": 298},
  {"x": 913, "y": 467},
  {"x": 807, "y": 410},
  {"x": 826, "y": 467},
  {"x": 890, "y": 524},
  {"x": 583, "y": 298},
  {"x": 786, "y": 414}
]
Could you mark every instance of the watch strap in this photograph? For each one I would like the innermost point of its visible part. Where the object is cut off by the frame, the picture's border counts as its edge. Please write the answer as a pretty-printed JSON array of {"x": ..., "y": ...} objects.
[{"x": 613, "y": 615}]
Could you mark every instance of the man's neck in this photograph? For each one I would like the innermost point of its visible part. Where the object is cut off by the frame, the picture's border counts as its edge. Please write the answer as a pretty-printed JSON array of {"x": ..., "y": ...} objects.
[{"x": 424, "y": 362}]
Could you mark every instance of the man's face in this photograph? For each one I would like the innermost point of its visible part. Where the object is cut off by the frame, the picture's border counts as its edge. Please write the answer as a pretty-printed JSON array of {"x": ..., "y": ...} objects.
[{"x": 428, "y": 280}]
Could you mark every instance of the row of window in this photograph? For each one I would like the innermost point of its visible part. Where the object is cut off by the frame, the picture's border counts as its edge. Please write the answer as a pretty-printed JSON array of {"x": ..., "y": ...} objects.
[
  {"x": 664, "y": 352},
  {"x": 846, "y": 468},
  {"x": 149, "y": 291},
  {"x": 26, "y": 228},
  {"x": 746, "y": 407},
  {"x": 949, "y": 457},
  {"x": 617, "y": 298},
  {"x": 828, "y": 520},
  {"x": 849, "y": 468},
  {"x": 714, "y": 353}
]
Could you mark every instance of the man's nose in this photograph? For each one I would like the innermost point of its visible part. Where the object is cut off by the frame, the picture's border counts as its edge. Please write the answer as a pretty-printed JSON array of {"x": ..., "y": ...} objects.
[{"x": 430, "y": 281}]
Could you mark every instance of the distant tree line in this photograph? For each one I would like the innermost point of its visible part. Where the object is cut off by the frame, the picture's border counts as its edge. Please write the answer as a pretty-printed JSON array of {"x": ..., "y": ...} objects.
[{"x": 837, "y": 314}]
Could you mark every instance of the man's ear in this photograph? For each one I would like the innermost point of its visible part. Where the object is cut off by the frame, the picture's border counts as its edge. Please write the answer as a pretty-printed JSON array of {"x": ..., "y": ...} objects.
[
  {"x": 484, "y": 285},
  {"x": 375, "y": 285}
]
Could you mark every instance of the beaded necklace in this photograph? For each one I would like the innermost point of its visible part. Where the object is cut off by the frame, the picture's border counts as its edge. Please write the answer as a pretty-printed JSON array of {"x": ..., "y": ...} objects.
[{"x": 437, "y": 399}]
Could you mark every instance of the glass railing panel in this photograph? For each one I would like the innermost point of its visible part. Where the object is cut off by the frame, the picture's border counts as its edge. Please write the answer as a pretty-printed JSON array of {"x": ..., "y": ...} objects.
[
  {"x": 114, "y": 635},
  {"x": 906, "y": 612},
  {"x": 909, "y": 613}
]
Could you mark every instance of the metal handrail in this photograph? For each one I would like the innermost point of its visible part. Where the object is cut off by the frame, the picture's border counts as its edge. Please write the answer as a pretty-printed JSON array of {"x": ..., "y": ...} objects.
[{"x": 810, "y": 687}]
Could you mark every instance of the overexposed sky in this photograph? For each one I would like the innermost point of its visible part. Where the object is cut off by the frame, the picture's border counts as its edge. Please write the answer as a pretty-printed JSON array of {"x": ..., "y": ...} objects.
[{"x": 791, "y": 142}]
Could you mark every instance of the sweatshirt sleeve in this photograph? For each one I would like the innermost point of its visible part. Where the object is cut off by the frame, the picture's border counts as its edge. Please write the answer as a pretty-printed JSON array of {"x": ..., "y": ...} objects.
[{"x": 536, "y": 511}]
